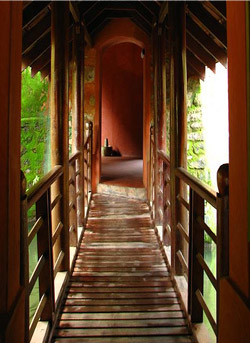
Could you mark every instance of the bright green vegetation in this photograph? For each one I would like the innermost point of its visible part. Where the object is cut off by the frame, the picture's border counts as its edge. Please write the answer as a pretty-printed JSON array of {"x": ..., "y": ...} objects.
[
  {"x": 35, "y": 127},
  {"x": 35, "y": 150}
]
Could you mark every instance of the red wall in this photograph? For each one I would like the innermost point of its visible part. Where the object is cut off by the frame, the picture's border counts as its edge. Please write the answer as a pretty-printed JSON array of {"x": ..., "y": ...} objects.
[{"x": 122, "y": 98}]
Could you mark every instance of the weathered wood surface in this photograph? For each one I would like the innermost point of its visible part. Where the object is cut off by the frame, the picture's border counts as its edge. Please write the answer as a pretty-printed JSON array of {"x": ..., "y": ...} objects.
[{"x": 120, "y": 289}]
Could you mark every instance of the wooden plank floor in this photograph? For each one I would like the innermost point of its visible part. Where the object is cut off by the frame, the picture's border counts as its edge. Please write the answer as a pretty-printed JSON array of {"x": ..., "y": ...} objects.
[{"x": 120, "y": 289}]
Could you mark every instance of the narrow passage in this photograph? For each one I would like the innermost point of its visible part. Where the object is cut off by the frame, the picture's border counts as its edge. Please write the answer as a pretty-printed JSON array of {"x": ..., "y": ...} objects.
[{"x": 120, "y": 289}]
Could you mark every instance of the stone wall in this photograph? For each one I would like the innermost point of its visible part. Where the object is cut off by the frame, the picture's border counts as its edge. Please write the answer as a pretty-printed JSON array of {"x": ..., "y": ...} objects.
[{"x": 196, "y": 157}]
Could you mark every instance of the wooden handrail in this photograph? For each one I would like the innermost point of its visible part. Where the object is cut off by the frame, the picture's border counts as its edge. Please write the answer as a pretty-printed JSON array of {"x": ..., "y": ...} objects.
[
  {"x": 73, "y": 157},
  {"x": 204, "y": 191},
  {"x": 87, "y": 140},
  {"x": 163, "y": 156},
  {"x": 35, "y": 192}
]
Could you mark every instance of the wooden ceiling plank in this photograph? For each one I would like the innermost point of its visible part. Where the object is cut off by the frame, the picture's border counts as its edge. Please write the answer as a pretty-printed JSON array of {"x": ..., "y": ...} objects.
[
  {"x": 99, "y": 26},
  {"x": 200, "y": 52},
  {"x": 145, "y": 26},
  {"x": 36, "y": 51},
  {"x": 45, "y": 71},
  {"x": 151, "y": 6},
  {"x": 34, "y": 10},
  {"x": 196, "y": 64},
  {"x": 163, "y": 12},
  {"x": 74, "y": 11},
  {"x": 86, "y": 6},
  {"x": 192, "y": 72},
  {"x": 205, "y": 20},
  {"x": 41, "y": 62},
  {"x": 37, "y": 32},
  {"x": 220, "y": 7},
  {"x": 141, "y": 26},
  {"x": 213, "y": 11},
  {"x": 206, "y": 42}
]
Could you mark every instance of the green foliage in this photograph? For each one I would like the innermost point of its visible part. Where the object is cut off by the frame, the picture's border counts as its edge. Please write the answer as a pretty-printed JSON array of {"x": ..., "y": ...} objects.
[
  {"x": 196, "y": 154},
  {"x": 34, "y": 94},
  {"x": 34, "y": 126}
]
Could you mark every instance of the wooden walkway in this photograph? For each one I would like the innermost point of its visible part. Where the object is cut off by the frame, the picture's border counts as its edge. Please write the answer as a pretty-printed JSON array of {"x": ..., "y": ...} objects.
[{"x": 120, "y": 290}]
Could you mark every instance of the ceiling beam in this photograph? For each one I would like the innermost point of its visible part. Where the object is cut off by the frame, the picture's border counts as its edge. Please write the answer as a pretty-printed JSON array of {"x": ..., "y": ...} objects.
[
  {"x": 191, "y": 72},
  {"x": 207, "y": 22},
  {"x": 206, "y": 42},
  {"x": 163, "y": 12},
  {"x": 31, "y": 37},
  {"x": 45, "y": 71},
  {"x": 151, "y": 6},
  {"x": 42, "y": 45},
  {"x": 74, "y": 11},
  {"x": 219, "y": 7},
  {"x": 41, "y": 62},
  {"x": 200, "y": 52},
  {"x": 77, "y": 18},
  {"x": 33, "y": 11},
  {"x": 196, "y": 64}
]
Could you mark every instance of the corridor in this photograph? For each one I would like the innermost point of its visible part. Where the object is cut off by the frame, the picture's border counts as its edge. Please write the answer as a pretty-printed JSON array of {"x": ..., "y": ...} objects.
[{"x": 120, "y": 289}]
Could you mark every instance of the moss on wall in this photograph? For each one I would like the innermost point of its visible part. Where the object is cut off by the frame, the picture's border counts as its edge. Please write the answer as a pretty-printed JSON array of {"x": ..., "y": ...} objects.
[{"x": 196, "y": 156}]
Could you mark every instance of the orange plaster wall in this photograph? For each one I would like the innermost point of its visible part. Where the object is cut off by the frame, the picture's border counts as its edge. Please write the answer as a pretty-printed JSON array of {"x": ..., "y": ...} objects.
[
  {"x": 122, "y": 99},
  {"x": 121, "y": 31}
]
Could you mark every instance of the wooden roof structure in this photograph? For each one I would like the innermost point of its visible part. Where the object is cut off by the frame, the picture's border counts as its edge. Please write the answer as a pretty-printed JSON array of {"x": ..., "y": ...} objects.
[{"x": 206, "y": 37}]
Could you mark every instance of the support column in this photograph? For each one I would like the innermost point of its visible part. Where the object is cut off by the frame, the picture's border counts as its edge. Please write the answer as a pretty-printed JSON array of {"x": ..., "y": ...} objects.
[
  {"x": 178, "y": 117},
  {"x": 60, "y": 121},
  {"x": 78, "y": 112},
  {"x": 11, "y": 290}
]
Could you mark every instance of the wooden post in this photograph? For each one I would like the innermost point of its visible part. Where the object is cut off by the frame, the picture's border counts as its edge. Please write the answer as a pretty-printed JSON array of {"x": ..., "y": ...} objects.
[
  {"x": 196, "y": 246},
  {"x": 59, "y": 118},
  {"x": 178, "y": 134},
  {"x": 44, "y": 245},
  {"x": 10, "y": 99},
  {"x": 156, "y": 106},
  {"x": 81, "y": 130},
  {"x": 222, "y": 229},
  {"x": 24, "y": 252}
]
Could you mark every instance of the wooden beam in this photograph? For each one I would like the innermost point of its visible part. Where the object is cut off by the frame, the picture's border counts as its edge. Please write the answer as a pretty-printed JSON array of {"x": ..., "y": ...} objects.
[
  {"x": 36, "y": 51},
  {"x": 163, "y": 12},
  {"x": 60, "y": 122},
  {"x": 206, "y": 42},
  {"x": 192, "y": 72},
  {"x": 11, "y": 296},
  {"x": 200, "y": 52},
  {"x": 178, "y": 120},
  {"x": 151, "y": 6},
  {"x": 74, "y": 11},
  {"x": 45, "y": 71},
  {"x": 219, "y": 7},
  {"x": 41, "y": 62},
  {"x": 196, "y": 64},
  {"x": 206, "y": 21},
  {"x": 31, "y": 37},
  {"x": 139, "y": 23},
  {"x": 33, "y": 11}
]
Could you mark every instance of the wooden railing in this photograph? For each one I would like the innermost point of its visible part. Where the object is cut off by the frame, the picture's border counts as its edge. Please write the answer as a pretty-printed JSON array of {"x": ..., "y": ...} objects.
[
  {"x": 184, "y": 227},
  {"x": 49, "y": 250},
  {"x": 88, "y": 146},
  {"x": 74, "y": 194}
]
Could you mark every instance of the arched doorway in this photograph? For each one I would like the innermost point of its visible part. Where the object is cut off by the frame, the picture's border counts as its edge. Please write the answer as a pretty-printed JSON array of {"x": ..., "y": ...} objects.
[{"x": 122, "y": 115}]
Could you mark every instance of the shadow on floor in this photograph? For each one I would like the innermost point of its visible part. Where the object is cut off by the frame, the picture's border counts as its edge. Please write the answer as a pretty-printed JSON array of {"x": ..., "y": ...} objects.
[{"x": 122, "y": 171}]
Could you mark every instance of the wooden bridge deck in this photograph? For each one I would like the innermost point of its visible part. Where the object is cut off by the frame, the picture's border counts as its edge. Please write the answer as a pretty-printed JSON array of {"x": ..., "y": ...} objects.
[{"x": 120, "y": 289}]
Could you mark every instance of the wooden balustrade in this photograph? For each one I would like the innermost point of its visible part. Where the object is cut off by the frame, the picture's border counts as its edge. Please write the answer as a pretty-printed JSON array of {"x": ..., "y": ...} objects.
[
  {"x": 190, "y": 251},
  {"x": 46, "y": 268},
  {"x": 87, "y": 150}
]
